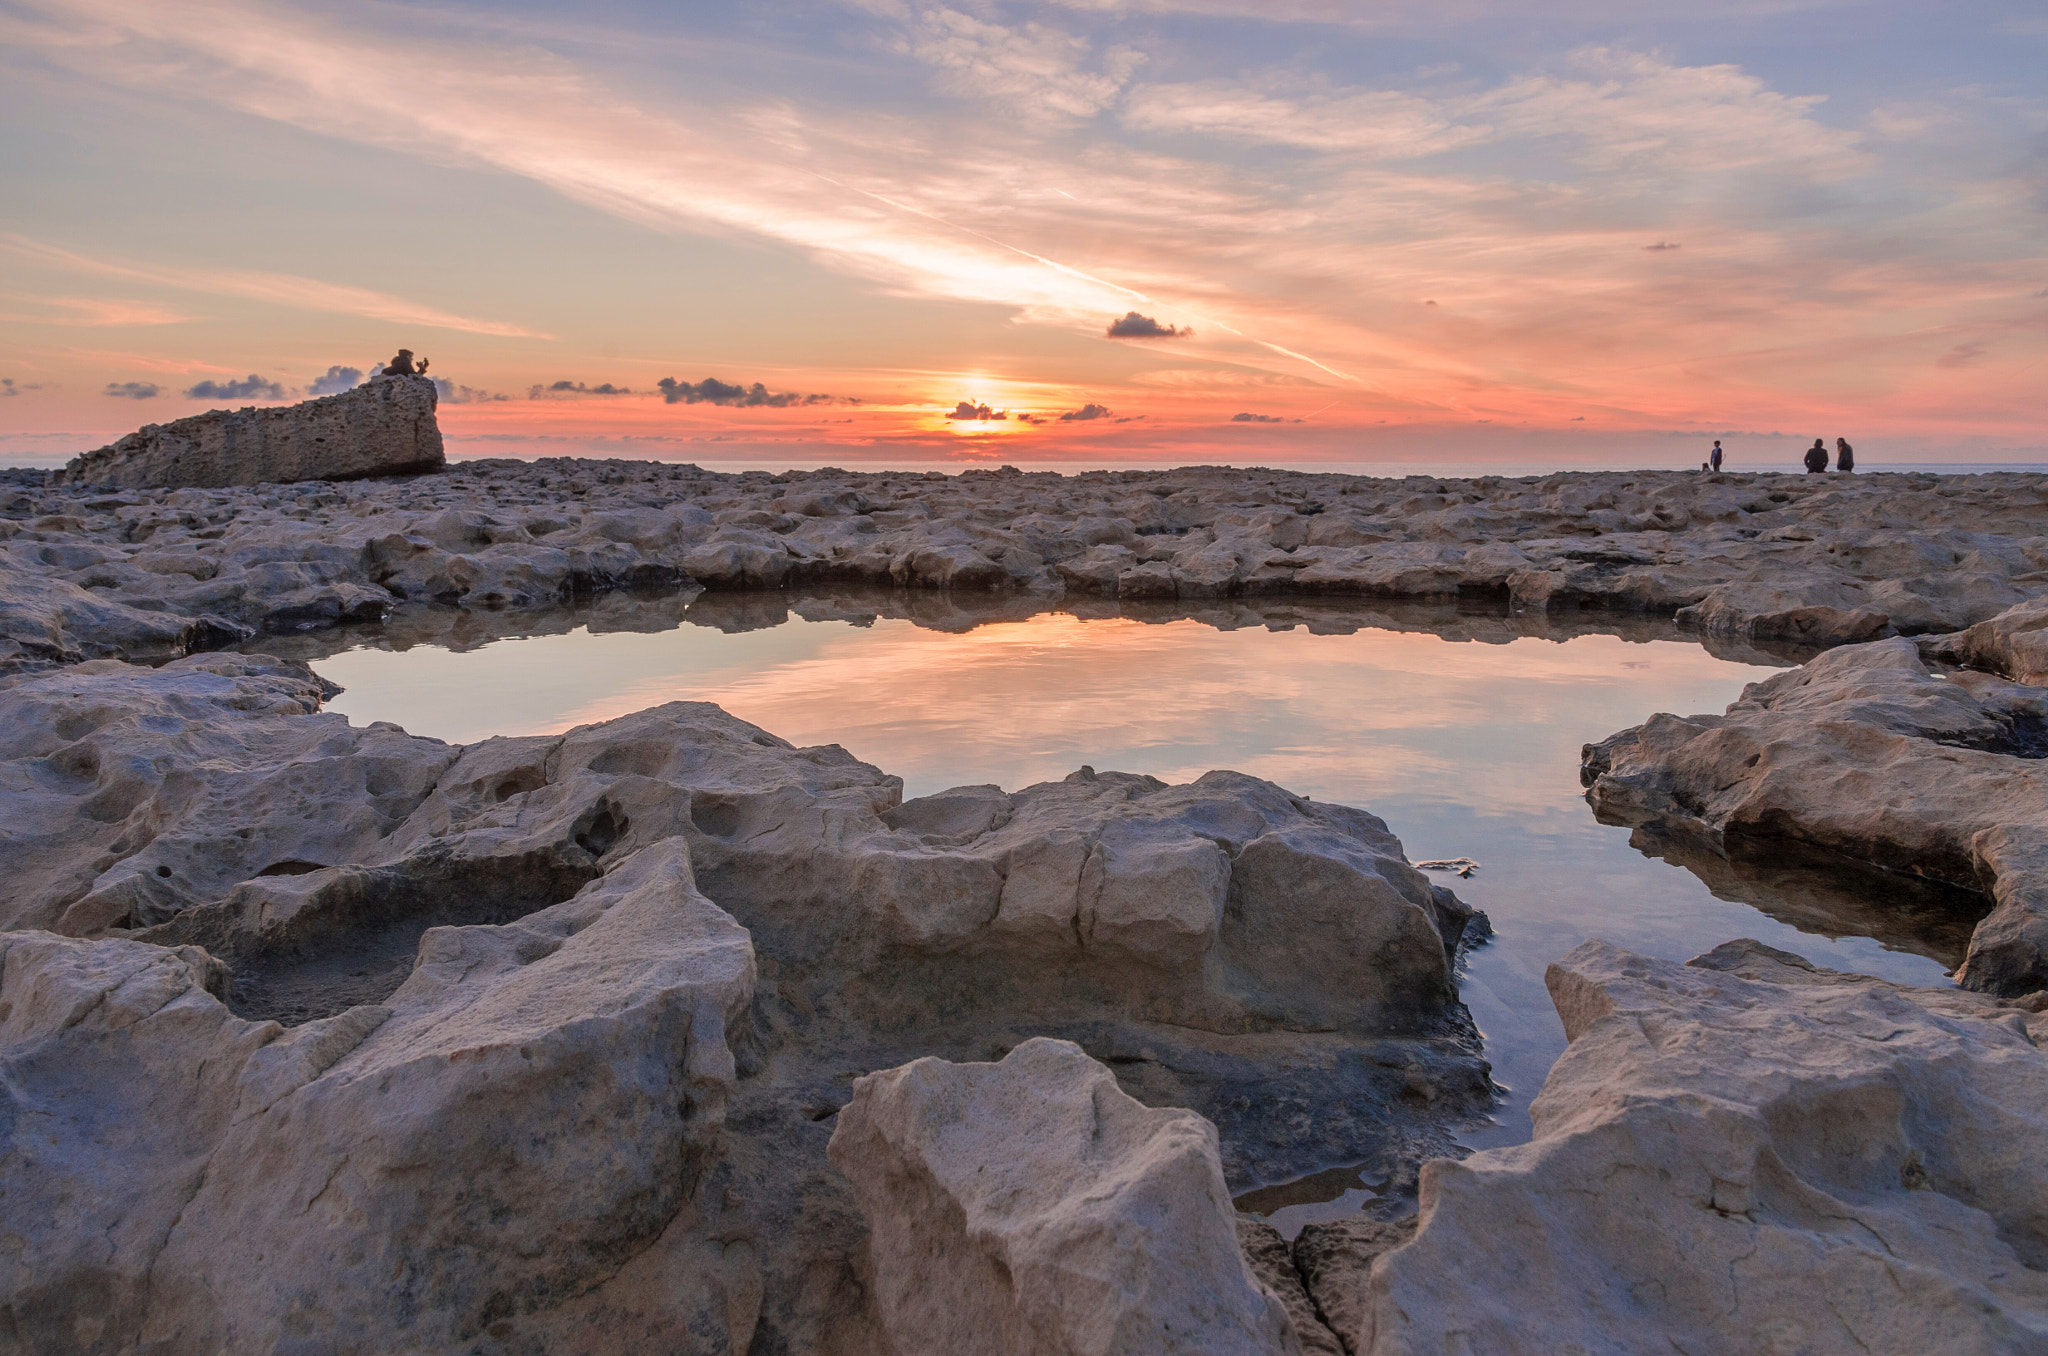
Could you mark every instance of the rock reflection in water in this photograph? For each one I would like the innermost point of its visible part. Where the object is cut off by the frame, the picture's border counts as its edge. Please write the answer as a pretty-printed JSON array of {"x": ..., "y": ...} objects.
[{"x": 1822, "y": 893}]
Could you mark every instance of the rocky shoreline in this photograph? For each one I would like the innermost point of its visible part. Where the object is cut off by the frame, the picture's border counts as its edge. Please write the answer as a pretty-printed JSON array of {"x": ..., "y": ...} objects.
[
  {"x": 313, "y": 1026},
  {"x": 665, "y": 1034},
  {"x": 1799, "y": 561},
  {"x": 1922, "y": 758}
]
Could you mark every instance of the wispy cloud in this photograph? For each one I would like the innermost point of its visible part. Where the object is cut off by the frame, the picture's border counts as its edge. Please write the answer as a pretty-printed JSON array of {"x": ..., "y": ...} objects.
[
  {"x": 1043, "y": 72},
  {"x": 1382, "y": 124},
  {"x": 96, "y": 312},
  {"x": 1451, "y": 249},
  {"x": 282, "y": 289},
  {"x": 133, "y": 390}
]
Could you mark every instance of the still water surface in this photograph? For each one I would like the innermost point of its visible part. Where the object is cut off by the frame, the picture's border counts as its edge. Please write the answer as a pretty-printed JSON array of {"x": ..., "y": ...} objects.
[{"x": 1466, "y": 749}]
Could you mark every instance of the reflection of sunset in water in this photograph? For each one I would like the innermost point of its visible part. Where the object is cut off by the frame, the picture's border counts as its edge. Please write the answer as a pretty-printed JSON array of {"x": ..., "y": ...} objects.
[{"x": 1465, "y": 749}]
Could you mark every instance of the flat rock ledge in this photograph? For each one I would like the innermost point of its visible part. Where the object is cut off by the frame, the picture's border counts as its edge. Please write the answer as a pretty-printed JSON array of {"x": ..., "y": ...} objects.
[
  {"x": 1740, "y": 1154},
  {"x": 115, "y": 571},
  {"x": 384, "y": 427},
  {"x": 333, "y": 1038},
  {"x": 1891, "y": 753}
]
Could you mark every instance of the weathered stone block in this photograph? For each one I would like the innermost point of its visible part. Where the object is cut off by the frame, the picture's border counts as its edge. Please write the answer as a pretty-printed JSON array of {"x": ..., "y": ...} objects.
[{"x": 384, "y": 427}]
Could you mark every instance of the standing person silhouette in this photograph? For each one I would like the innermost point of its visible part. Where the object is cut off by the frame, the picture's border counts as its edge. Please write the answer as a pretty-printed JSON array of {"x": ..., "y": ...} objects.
[
  {"x": 1714, "y": 459},
  {"x": 1845, "y": 455},
  {"x": 1817, "y": 457}
]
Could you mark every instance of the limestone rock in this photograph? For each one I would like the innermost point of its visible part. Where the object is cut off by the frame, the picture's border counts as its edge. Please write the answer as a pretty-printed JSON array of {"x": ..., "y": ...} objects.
[
  {"x": 1869, "y": 753},
  {"x": 1270, "y": 1258},
  {"x": 133, "y": 794},
  {"x": 1742, "y": 1154},
  {"x": 1029, "y": 1206},
  {"x": 359, "y": 890},
  {"x": 381, "y": 428},
  {"x": 494, "y": 1153},
  {"x": 1786, "y": 562}
]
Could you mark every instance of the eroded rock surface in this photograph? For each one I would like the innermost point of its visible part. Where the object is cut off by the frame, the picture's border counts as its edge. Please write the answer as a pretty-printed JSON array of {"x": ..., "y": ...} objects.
[
  {"x": 1030, "y": 1206},
  {"x": 384, "y": 427},
  {"x": 1765, "y": 559},
  {"x": 505, "y": 1151},
  {"x": 1869, "y": 752},
  {"x": 393, "y": 928},
  {"x": 1741, "y": 1154}
]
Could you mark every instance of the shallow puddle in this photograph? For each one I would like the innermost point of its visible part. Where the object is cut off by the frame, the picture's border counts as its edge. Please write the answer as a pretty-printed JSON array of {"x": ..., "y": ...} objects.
[{"x": 1462, "y": 731}]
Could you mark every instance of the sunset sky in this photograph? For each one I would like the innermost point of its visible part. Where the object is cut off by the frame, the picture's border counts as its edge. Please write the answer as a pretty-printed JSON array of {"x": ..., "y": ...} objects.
[{"x": 1096, "y": 232}]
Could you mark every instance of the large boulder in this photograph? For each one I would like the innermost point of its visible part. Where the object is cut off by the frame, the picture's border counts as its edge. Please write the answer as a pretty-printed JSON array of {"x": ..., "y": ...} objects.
[
  {"x": 1031, "y": 1208},
  {"x": 1743, "y": 1154},
  {"x": 1870, "y": 753},
  {"x": 384, "y": 427},
  {"x": 508, "y": 1149}
]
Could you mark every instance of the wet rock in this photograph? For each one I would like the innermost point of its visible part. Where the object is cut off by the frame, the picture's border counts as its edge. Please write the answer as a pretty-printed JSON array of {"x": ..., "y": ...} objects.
[
  {"x": 1741, "y": 1151},
  {"x": 1868, "y": 753},
  {"x": 1031, "y": 1206},
  {"x": 506, "y": 1150},
  {"x": 383, "y": 427}
]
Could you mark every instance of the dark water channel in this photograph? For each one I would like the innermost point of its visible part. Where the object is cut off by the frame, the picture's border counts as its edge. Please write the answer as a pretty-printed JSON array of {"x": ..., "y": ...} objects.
[{"x": 1461, "y": 730}]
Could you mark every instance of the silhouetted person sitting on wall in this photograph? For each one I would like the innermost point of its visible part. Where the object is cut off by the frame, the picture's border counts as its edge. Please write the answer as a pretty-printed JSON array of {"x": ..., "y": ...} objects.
[
  {"x": 1845, "y": 455},
  {"x": 1816, "y": 457},
  {"x": 1714, "y": 458},
  {"x": 401, "y": 366}
]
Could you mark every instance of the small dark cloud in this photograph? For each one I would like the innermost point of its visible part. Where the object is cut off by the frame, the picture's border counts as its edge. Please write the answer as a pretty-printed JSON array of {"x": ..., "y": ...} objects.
[
  {"x": 337, "y": 380},
  {"x": 8, "y": 388},
  {"x": 250, "y": 387},
  {"x": 979, "y": 413},
  {"x": 134, "y": 390},
  {"x": 576, "y": 388},
  {"x": 1962, "y": 355},
  {"x": 1135, "y": 326},
  {"x": 1089, "y": 411},
  {"x": 1578, "y": 419},
  {"x": 1663, "y": 245},
  {"x": 2040, "y": 294},
  {"x": 1033, "y": 419},
  {"x": 448, "y": 393},
  {"x": 1257, "y": 419},
  {"x": 1429, "y": 303},
  {"x": 712, "y": 391}
]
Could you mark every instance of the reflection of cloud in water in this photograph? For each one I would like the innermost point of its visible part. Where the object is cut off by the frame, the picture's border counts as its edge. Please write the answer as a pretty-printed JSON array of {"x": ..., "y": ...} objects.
[{"x": 1344, "y": 717}]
